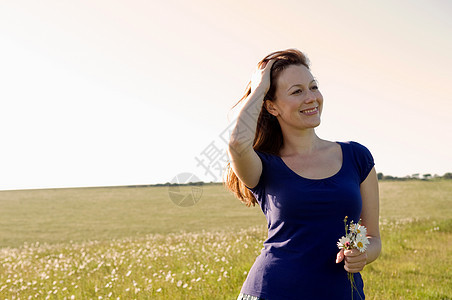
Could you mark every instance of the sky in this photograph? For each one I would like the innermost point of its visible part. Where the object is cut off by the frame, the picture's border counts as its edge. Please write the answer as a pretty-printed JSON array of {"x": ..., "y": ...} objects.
[{"x": 105, "y": 93}]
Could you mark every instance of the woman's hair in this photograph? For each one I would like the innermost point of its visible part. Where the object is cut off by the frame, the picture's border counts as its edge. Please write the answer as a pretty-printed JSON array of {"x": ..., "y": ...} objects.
[{"x": 268, "y": 137}]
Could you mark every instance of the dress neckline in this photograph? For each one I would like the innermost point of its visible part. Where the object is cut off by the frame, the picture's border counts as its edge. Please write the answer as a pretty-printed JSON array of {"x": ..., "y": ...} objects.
[{"x": 317, "y": 179}]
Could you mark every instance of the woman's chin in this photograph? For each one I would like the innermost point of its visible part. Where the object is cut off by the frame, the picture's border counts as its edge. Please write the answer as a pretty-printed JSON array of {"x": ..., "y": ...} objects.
[{"x": 312, "y": 124}]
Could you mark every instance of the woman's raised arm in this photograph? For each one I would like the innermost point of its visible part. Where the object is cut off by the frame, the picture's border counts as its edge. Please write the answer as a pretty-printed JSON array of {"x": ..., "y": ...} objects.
[{"x": 245, "y": 163}]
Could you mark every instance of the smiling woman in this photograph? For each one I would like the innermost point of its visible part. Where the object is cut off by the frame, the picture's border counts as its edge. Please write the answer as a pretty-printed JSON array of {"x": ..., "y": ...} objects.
[
  {"x": 302, "y": 183},
  {"x": 297, "y": 101}
]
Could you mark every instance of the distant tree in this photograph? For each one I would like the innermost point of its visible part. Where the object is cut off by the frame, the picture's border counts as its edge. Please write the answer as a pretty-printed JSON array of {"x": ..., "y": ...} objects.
[
  {"x": 416, "y": 176},
  {"x": 447, "y": 175},
  {"x": 427, "y": 176},
  {"x": 380, "y": 176}
]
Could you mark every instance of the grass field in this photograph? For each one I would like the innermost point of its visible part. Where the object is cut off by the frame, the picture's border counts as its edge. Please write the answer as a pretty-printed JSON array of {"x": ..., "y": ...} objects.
[{"x": 134, "y": 243}]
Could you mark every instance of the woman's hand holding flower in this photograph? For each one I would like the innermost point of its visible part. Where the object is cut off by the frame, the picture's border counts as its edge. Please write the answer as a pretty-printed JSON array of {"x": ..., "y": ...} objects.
[
  {"x": 353, "y": 247},
  {"x": 355, "y": 260}
]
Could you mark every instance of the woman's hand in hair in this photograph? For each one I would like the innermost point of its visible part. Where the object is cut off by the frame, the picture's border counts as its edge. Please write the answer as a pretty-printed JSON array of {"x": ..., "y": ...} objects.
[{"x": 261, "y": 77}]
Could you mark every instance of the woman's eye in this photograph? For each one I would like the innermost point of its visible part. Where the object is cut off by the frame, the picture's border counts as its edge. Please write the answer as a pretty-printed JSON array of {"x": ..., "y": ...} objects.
[
  {"x": 296, "y": 92},
  {"x": 315, "y": 87}
]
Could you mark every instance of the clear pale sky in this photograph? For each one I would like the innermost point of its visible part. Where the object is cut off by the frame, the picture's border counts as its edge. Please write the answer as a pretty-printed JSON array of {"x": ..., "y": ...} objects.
[{"x": 96, "y": 93}]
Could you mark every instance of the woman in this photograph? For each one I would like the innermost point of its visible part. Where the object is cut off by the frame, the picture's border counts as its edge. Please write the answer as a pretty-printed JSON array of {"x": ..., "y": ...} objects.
[{"x": 304, "y": 185}]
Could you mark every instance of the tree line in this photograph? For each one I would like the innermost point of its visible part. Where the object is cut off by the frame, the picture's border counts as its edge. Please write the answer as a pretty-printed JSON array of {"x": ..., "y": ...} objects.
[{"x": 415, "y": 176}]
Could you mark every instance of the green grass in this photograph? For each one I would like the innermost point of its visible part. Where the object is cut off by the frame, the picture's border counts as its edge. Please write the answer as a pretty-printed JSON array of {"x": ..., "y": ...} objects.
[
  {"x": 83, "y": 214},
  {"x": 135, "y": 243},
  {"x": 415, "y": 199},
  {"x": 415, "y": 262}
]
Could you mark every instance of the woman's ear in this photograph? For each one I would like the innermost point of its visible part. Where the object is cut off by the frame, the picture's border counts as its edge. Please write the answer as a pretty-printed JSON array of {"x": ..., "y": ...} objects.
[{"x": 271, "y": 108}]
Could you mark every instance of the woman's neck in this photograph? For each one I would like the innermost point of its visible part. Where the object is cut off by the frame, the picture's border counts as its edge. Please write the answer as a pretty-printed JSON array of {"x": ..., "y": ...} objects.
[{"x": 300, "y": 142}]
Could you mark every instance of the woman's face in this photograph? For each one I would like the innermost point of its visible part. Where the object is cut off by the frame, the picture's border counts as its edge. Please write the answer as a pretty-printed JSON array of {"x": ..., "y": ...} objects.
[{"x": 298, "y": 102}]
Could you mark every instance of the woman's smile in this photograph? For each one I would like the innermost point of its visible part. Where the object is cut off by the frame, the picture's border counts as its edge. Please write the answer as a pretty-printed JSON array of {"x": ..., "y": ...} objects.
[{"x": 310, "y": 111}]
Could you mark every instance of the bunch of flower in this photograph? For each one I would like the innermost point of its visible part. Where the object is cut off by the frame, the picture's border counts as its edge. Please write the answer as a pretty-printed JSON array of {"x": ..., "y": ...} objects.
[{"x": 355, "y": 238}]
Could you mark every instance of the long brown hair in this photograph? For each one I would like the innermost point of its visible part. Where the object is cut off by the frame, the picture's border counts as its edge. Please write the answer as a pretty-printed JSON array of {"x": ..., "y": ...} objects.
[{"x": 268, "y": 137}]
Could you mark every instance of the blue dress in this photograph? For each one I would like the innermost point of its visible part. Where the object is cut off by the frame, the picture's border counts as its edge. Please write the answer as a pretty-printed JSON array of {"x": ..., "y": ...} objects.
[{"x": 305, "y": 221}]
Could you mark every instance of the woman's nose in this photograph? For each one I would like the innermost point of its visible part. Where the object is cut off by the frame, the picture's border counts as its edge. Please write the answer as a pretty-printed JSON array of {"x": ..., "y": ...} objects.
[{"x": 310, "y": 97}]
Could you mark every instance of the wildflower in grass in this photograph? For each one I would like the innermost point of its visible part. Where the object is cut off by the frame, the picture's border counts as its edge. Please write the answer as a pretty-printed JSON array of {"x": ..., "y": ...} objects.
[{"x": 121, "y": 267}]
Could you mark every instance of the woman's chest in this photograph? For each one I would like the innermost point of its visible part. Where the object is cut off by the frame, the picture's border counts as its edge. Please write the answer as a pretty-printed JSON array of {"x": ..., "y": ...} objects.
[
  {"x": 293, "y": 197},
  {"x": 315, "y": 166}
]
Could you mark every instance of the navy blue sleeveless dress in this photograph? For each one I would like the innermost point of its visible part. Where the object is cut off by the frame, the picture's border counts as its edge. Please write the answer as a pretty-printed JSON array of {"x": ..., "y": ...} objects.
[{"x": 305, "y": 221}]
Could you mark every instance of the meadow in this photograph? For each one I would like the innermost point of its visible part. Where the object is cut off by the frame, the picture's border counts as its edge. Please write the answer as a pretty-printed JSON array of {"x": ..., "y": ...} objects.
[{"x": 135, "y": 243}]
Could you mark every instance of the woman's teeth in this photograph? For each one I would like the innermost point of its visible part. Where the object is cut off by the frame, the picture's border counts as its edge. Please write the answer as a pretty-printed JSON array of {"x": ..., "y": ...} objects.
[{"x": 310, "y": 111}]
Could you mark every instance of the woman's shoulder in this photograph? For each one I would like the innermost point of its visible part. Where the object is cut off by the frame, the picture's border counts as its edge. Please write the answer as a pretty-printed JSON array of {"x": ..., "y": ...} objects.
[
  {"x": 269, "y": 160},
  {"x": 355, "y": 146},
  {"x": 361, "y": 156}
]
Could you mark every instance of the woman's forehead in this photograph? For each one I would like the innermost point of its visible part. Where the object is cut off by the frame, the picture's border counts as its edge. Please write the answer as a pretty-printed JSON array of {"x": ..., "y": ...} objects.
[{"x": 295, "y": 74}]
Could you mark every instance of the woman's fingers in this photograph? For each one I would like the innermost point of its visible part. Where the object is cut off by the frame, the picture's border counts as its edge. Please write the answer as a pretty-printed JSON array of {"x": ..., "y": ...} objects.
[
  {"x": 268, "y": 63},
  {"x": 261, "y": 77},
  {"x": 354, "y": 269},
  {"x": 340, "y": 256},
  {"x": 354, "y": 254},
  {"x": 355, "y": 260}
]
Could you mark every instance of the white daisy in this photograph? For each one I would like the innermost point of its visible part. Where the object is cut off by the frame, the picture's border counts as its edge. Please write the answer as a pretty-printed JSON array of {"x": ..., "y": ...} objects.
[
  {"x": 361, "y": 242},
  {"x": 344, "y": 242},
  {"x": 360, "y": 230}
]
